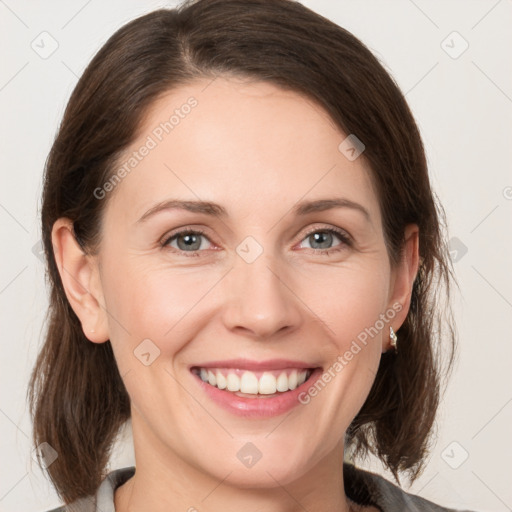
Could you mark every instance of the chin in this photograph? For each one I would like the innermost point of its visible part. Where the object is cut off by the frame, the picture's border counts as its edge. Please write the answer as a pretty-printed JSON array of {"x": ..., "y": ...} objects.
[{"x": 267, "y": 472}]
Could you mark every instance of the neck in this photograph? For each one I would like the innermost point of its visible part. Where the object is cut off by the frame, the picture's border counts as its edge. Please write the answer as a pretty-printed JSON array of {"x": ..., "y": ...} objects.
[{"x": 164, "y": 481}]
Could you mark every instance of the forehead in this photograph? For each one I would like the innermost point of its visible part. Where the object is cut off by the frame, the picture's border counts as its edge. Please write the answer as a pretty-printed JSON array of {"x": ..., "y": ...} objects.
[{"x": 234, "y": 141}]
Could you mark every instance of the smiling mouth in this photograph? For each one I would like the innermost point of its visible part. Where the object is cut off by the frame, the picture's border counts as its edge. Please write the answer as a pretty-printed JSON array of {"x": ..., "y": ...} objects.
[{"x": 257, "y": 384}]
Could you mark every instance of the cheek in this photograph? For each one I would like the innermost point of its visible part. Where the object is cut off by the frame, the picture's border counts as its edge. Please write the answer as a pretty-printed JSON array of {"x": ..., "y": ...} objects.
[
  {"x": 153, "y": 302},
  {"x": 169, "y": 304},
  {"x": 352, "y": 300}
]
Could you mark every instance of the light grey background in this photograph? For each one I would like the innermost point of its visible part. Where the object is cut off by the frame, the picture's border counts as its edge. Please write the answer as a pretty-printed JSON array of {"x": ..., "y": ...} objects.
[{"x": 463, "y": 105}]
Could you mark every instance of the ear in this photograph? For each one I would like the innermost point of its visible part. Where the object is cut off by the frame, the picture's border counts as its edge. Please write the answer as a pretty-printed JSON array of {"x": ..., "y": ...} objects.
[
  {"x": 80, "y": 277},
  {"x": 402, "y": 281}
]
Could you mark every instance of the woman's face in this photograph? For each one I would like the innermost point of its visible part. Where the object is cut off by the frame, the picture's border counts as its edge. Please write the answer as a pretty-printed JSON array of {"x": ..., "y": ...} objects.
[{"x": 262, "y": 281}]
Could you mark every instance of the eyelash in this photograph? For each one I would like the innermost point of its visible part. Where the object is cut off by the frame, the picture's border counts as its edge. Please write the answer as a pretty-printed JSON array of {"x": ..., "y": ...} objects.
[{"x": 344, "y": 238}]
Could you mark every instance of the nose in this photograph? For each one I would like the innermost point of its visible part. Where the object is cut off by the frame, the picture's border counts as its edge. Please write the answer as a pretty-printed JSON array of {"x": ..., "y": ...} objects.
[{"x": 260, "y": 301}]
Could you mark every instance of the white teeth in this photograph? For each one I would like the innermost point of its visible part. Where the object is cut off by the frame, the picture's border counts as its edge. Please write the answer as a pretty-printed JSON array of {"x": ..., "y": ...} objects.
[
  {"x": 267, "y": 384},
  {"x": 292, "y": 380},
  {"x": 233, "y": 382},
  {"x": 249, "y": 383},
  {"x": 221, "y": 381},
  {"x": 282, "y": 382}
]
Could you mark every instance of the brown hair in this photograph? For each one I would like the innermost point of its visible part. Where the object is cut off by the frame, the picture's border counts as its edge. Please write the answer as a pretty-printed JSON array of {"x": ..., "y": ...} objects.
[{"x": 78, "y": 401}]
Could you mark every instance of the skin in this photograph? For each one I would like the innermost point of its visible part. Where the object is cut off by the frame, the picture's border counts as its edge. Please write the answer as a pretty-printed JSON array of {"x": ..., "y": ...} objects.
[{"x": 257, "y": 150}]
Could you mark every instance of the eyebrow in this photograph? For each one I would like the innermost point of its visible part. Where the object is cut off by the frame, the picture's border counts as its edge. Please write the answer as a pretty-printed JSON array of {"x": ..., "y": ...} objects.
[{"x": 216, "y": 210}]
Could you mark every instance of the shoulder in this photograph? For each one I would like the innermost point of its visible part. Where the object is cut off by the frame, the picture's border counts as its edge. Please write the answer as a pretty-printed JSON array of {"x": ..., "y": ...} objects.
[
  {"x": 367, "y": 488},
  {"x": 104, "y": 498}
]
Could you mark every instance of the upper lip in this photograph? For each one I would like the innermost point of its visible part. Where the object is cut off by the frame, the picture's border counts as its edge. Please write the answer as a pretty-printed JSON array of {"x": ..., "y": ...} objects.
[{"x": 251, "y": 365}]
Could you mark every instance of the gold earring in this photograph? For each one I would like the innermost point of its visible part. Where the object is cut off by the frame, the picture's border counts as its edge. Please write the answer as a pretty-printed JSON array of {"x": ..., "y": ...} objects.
[{"x": 393, "y": 338}]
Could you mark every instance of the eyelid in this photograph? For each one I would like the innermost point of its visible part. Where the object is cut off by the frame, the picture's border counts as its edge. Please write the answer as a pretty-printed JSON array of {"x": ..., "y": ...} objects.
[
  {"x": 342, "y": 234},
  {"x": 165, "y": 239},
  {"x": 346, "y": 241}
]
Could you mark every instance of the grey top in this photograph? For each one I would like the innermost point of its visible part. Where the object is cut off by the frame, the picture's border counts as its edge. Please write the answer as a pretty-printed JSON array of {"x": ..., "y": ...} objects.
[{"x": 361, "y": 486}]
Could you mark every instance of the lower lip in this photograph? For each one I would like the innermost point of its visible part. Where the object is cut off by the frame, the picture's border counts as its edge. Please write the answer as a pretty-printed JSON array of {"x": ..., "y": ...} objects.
[{"x": 263, "y": 407}]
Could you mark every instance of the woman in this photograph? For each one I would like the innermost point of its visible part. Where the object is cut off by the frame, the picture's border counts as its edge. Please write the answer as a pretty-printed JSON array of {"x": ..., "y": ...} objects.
[{"x": 203, "y": 155}]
